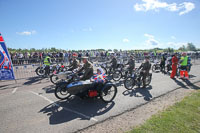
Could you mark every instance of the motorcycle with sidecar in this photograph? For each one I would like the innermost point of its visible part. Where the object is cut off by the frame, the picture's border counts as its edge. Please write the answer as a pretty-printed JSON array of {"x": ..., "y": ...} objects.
[{"x": 85, "y": 89}]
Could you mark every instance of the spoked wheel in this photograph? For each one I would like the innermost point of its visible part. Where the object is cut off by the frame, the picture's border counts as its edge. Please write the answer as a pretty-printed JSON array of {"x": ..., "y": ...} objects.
[
  {"x": 40, "y": 71},
  {"x": 148, "y": 79},
  {"x": 108, "y": 93},
  {"x": 117, "y": 75},
  {"x": 61, "y": 92},
  {"x": 154, "y": 68},
  {"x": 54, "y": 79},
  {"x": 129, "y": 83}
]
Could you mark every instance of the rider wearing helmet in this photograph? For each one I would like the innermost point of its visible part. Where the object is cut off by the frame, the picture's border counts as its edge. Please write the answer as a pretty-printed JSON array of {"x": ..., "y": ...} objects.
[
  {"x": 114, "y": 63},
  {"x": 131, "y": 64},
  {"x": 162, "y": 63},
  {"x": 74, "y": 65},
  {"x": 145, "y": 66},
  {"x": 88, "y": 69}
]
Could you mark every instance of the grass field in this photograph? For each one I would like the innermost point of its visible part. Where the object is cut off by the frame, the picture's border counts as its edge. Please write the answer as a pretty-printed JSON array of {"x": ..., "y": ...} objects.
[{"x": 183, "y": 117}]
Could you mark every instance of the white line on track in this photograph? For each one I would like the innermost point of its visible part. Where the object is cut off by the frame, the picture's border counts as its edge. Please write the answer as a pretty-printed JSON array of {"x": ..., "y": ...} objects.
[
  {"x": 15, "y": 89},
  {"x": 73, "y": 111}
]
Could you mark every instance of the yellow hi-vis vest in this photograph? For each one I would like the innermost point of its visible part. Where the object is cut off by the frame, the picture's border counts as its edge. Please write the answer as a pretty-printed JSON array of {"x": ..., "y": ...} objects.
[
  {"x": 46, "y": 62},
  {"x": 185, "y": 60}
]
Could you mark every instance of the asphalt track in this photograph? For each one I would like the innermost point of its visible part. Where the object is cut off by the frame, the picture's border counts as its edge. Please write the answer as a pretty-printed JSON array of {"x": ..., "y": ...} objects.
[{"x": 30, "y": 105}]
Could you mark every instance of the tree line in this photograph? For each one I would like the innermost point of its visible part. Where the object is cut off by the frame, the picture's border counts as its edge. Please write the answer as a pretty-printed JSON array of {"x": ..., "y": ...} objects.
[{"x": 188, "y": 47}]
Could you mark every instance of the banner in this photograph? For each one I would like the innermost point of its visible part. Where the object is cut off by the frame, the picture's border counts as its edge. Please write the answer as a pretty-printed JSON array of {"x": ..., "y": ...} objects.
[{"x": 6, "y": 68}]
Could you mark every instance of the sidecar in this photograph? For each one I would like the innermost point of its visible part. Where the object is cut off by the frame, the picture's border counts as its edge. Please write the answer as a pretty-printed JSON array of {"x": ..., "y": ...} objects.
[
  {"x": 79, "y": 87},
  {"x": 86, "y": 89}
]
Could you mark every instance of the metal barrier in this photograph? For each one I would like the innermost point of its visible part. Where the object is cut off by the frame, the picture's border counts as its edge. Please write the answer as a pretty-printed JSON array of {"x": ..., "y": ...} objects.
[
  {"x": 28, "y": 70},
  {"x": 25, "y": 71}
]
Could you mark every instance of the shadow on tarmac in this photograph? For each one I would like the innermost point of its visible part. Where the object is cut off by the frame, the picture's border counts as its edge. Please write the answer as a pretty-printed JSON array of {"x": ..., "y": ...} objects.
[
  {"x": 32, "y": 80},
  {"x": 49, "y": 89},
  {"x": 144, "y": 92},
  {"x": 86, "y": 109},
  {"x": 187, "y": 83}
]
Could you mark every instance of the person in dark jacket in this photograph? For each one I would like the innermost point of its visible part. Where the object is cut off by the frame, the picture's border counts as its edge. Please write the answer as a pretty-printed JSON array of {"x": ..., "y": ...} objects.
[
  {"x": 113, "y": 63},
  {"x": 74, "y": 65},
  {"x": 145, "y": 66},
  {"x": 87, "y": 68},
  {"x": 162, "y": 63},
  {"x": 131, "y": 63}
]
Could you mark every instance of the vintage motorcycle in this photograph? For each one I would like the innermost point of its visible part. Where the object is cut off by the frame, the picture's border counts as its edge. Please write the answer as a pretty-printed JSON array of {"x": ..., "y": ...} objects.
[
  {"x": 156, "y": 67},
  {"x": 86, "y": 89},
  {"x": 40, "y": 71},
  {"x": 122, "y": 73},
  {"x": 136, "y": 80}
]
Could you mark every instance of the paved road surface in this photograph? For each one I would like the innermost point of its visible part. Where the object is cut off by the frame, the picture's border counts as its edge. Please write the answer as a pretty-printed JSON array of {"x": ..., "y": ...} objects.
[{"x": 30, "y": 106}]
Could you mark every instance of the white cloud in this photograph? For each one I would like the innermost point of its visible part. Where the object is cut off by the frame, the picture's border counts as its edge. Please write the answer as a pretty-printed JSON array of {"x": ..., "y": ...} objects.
[
  {"x": 88, "y": 29},
  {"x": 156, "y": 5},
  {"x": 173, "y": 37},
  {"x": 26, "y": 33},
  {"x": 148, "y": 35},
  {"x": 125, "y": 40},
  {"x": 188, "y": 7},
  {"x": 151, "y": 41},
  {"x": 175, "y": 45}
]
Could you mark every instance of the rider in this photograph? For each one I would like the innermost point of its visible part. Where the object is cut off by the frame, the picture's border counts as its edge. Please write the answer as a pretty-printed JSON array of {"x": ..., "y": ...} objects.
[
  {"x": 162, "y": 63},
  {"x": 88, "y": 69},
  {"x": 189, "y": 64},
  {"x": 114, "y": 63},
  {"x": 145, "y": 66},
  {"x": 47, "y": 62},
  {"x": 74, "y": 65},
  {"x": 99, "y": 78},
  {"x": 131, "y": 64},
  {"x": 184, "y": 63},
  {"x": 174, "y": 66}
]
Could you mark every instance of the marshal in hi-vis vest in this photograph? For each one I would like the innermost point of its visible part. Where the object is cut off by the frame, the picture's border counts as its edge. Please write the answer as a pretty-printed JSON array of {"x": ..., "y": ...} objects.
[
  {"x": 185, "y": 60},
  {"x": 46, "y": 62}
]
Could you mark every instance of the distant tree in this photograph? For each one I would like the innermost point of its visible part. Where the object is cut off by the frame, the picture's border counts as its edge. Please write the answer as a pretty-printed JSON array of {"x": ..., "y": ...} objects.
[
  {"x": 115, "y": 50},
  {"x": 191, "y": 47},
  {"x": 182, "y": 48}
]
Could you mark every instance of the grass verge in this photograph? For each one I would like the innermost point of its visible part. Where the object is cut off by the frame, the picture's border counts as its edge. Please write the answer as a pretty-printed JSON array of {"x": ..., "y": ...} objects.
[{"x": 183, "y": 117}]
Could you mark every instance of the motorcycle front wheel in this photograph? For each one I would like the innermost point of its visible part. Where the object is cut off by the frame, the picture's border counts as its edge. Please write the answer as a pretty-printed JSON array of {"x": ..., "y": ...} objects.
[
  {"x": 117, "y": 75},
  {"x": 54, "y": 79},
  {"x": 148, "y": 79},
  {"x": 108, "y": 93},
  {"x": 40, "y": 71},
  {"x": 154, "y": 68}
]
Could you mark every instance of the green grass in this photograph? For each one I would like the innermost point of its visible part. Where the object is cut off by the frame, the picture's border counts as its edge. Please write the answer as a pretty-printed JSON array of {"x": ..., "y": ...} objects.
[{"x": 183, "y": 117}]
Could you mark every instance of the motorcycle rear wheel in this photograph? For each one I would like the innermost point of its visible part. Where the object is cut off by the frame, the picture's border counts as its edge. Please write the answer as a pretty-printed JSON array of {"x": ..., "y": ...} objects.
[
  {"x": 129, "y": 83},
  {"x": 61, "y": 92}
]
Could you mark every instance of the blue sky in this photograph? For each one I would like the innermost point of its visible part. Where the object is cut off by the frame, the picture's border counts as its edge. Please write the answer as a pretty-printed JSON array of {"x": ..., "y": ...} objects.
[{"x": 92, "y": 24}]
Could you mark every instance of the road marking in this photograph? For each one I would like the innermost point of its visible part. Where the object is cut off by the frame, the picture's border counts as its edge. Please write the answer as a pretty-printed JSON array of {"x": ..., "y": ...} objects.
[
  {"x": 73, "y": 111},
  {"x": 15, "y": 89}
]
